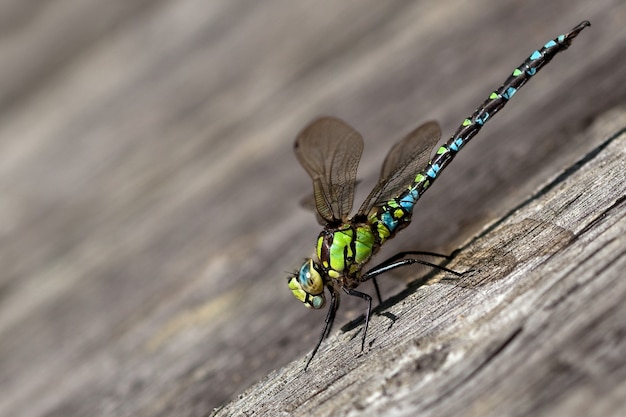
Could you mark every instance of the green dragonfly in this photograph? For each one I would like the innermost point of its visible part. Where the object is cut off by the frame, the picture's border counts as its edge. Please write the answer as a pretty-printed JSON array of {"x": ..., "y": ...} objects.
[{"x": 329, "y": 150}]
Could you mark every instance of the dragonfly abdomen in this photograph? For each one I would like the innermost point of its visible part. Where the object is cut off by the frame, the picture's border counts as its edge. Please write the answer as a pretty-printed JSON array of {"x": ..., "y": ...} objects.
[
  {"x": 395, "y": 214},
  {"x": 498, "y": 99}
]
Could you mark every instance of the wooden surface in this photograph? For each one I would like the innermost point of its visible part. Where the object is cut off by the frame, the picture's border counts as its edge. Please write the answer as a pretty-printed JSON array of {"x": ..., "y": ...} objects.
[
  {"x": 536, "y": 327},
  {"x": 149, "y": 209}
]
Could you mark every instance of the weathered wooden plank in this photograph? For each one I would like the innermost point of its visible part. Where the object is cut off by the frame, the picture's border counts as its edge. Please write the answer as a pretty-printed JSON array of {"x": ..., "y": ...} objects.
[
  {"x": 536, "y": 328},
  {"x": 149, "y": 204}
]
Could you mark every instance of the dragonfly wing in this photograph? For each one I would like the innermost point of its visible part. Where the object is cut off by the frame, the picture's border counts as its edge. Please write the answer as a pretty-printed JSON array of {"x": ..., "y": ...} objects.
[
  {"x": 308, "y": 203},
  {"x": 403, "y": 162},
  {"x": 329, "y": 150}
]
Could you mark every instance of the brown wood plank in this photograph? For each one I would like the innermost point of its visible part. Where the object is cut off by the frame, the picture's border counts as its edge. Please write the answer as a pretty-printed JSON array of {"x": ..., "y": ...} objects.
[
  {"x": 534, "y": 328},
  {"x": 149, "y": 203}
]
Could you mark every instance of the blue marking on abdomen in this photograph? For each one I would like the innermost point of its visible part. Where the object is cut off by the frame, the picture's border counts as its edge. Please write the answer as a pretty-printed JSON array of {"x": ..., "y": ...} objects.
[
  {"x": 535, "y": 55},
  {"x": 549, "y": 44},
  {"x": 456, "y": 145},
  {"x": 389, "y": 221},
  {"x": 509, "y": 93},
  {"x": 408, "y": 201},
  {"x": 432, "y": 171}
]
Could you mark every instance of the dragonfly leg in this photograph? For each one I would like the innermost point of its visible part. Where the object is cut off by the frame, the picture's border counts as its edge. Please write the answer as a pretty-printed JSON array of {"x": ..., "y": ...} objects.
[
  {"x": 367, "y": 298},
  {"x": 328, "y": 323},
  {"x": 393, "y": 259},
  {"x": 396, "y": 261},
  {"x": 404, "y": 254}
]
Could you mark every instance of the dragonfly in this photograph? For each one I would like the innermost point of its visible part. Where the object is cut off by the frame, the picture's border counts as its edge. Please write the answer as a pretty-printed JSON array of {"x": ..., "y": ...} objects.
[{"x": 329, "y": 150}]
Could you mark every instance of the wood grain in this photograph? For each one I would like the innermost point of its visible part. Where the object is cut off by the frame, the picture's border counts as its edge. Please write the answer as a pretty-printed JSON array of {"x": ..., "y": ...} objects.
[
  {"x": 149, "y": 206},
  {"x": 535, "y": 327}
]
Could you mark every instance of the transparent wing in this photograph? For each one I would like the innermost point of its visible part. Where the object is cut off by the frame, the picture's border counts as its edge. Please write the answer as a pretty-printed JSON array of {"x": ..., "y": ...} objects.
[
  {"x": 329, "y": 150},
  {"x": 404, "y": 161},
  {"x": 308, "y": 203}
]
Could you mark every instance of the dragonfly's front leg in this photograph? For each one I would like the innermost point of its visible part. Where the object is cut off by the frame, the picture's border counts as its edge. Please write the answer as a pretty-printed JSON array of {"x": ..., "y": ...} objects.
[{"x": 328, "y": 323}]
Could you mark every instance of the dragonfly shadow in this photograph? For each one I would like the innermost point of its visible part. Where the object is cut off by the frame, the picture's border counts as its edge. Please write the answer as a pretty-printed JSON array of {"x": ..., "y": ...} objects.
[{"x": 496, "y": 254}]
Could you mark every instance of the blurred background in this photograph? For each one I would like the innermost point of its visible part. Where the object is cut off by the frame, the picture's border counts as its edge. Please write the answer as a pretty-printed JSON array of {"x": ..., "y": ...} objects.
[{"x": 149, "y": 194}]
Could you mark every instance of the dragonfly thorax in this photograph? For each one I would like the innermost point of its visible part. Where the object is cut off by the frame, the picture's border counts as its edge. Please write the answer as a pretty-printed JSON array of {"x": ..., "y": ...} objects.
[{"x": 342, "y": 251}]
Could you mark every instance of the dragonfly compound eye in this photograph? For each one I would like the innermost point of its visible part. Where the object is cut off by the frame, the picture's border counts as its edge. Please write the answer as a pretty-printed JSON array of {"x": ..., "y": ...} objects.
[{"x": 310, "y": 279}]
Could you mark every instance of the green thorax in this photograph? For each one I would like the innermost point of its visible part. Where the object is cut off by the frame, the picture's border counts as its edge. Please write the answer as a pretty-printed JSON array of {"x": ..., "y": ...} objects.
[{"x": 342, "y": 251}]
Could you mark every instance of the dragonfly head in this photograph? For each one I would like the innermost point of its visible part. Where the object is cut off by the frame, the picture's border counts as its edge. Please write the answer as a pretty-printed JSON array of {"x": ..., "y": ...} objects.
[{"x": 307, "y": 285}]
